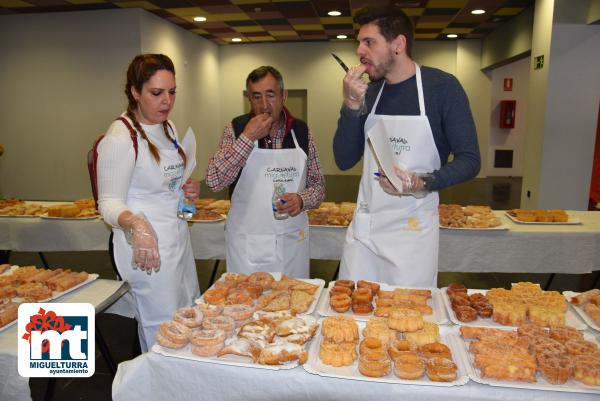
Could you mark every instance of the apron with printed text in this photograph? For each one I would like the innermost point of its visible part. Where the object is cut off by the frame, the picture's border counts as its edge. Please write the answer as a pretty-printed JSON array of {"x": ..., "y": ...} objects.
[
  {"x": 399, "y": 243},
  {"x": 155, "y": 191},
  {"x": 255, "y": 240}
]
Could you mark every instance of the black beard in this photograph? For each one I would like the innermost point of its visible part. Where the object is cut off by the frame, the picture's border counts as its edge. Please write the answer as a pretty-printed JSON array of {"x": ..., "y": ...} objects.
[{"x": 385, "y": 67}]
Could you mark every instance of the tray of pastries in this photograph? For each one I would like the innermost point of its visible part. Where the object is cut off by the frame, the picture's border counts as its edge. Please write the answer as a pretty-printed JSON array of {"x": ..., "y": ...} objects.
[
  {"x": 252, "y": 321},
  {"x": 331, "y": 214},
  {"x": 29, "y": 284},
  {"x": 18, "y": 208},
  {"x": 221, "y": 206},
  {"x": 541, "y": 216},
  {"x": 266, "y": 291},
  {"x": 80, "y": 209},
  {"x": 560, "y": 358},
  {"x": 236, "y": 335},
  {"x": 586, "y": 305},
  {"x": 402, "y": 349},
  {"x": 365, "y": 299},
  {"x": 525, "y": 302},
  {"x": 456, "y": 217}
]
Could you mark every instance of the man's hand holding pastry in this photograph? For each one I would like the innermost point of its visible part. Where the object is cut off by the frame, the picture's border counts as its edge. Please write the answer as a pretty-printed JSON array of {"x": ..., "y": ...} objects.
[
  {"x": 258, "y": 127},
  {"x": 355, "y": 87}
]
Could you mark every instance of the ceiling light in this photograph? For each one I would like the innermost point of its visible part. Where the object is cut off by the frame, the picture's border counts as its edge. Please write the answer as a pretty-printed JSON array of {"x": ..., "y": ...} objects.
[
  {"x": 478, "y": 11},
  {"x": 452, "y": 35},
  {"x": 236, "y": 39},
  {"x": 342, "y": 37},
  {"x": 199, "y": 19},
  {"x": 334, "y": 13}
]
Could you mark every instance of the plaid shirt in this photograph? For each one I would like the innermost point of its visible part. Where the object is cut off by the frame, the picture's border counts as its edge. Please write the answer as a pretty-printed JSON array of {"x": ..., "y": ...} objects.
[{"x": 224, "y": 166}]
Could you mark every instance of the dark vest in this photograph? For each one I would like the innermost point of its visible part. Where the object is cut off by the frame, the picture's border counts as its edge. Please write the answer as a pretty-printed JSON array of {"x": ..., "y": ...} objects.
[{"x": 300, "y": 129}]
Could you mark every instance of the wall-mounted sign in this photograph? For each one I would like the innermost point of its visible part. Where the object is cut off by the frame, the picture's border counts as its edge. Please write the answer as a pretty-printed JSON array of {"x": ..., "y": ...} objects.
[
  {"x": 508, "y": 84},
  {"x": 538, "y": 62}
]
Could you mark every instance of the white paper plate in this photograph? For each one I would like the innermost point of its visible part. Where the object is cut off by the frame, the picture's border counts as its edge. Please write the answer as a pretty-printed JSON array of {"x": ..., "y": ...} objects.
[
  {"x": 571, "y": 385},
  {"x": 435, "y": 302},
  {"x": 571, "y": 319},
  {"x": 501, "y": 227},
  {"x": 316, "y": 367},
  {"x": 234, "y": 360},
  {"x": 55, "y": 294},
  {"x": 580, "y": 311},
  {"x": 207, "y": 221},
  {"x": 26, "y": 216},
  {"x": 277, "y": 277},
  {"x": 68, "y": 218},
  {"x": 326, "y": 226},
  {"x": 571, "y": 221}
]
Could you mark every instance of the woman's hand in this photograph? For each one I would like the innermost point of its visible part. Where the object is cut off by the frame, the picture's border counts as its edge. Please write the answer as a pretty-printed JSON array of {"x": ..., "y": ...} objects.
[
  {"x": 191, "y": 189},
  {"x": 143, "y": 239}
]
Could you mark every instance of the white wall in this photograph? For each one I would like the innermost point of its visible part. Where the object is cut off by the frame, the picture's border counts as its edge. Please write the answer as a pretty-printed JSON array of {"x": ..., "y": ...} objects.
[
  {"x": 196, "y": 63},
  {"x": 572, "y": 107},
  {"x": 477, "y": 85},
  {"x": 62, "y": 76},
  {"x": 509, "y": 138}
]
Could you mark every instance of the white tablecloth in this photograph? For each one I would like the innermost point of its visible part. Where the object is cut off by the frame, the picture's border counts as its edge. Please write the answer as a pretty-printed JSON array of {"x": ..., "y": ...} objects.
[
  {"x": 156, "y": 377},
  {"x": 521, "y": 248},
  {"x": 13, "y": 387}
]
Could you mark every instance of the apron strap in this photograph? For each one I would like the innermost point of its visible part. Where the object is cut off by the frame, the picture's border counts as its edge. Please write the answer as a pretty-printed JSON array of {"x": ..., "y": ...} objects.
[{"x": 420, "y": 89}]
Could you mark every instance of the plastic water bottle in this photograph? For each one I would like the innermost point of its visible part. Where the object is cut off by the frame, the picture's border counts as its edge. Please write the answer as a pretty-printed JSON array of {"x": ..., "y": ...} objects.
[
  {"x": 362, "y": 221},
  {"x": 186, "y": 208},
  {"x": 278, "y": 191}
]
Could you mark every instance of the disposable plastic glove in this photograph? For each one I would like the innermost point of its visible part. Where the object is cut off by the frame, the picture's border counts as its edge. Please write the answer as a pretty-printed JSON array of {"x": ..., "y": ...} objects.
[
  {"x": 144, "y": 241},
  {"x": 412, "y": 183}
]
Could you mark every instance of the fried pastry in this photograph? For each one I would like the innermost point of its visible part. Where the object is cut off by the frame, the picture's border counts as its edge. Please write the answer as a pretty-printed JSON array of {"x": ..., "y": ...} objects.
[
  {"x": 241, "y": 347},
  {"x": 282, "y": 352}
]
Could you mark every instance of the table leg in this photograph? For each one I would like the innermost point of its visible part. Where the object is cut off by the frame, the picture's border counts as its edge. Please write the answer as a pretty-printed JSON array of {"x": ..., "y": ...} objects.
[
  {"x": 337, "y": 271},
  {"x": 214, "y": 273},
  {"x": 44, "y": 261},
  {"x": 49, "y": 395},
  {"x": 549, "y": 282},
  {"x": 110, "y": 362}
]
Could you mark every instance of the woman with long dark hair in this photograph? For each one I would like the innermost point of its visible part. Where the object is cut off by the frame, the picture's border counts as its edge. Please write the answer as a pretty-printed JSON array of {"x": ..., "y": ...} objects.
[{"x": 140, "y": 179}]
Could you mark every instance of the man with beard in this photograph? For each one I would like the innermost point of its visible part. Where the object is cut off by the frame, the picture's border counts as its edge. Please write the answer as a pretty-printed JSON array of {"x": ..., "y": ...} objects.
[
  {"x": 268, "y": 147},
  {"x": 425, "y": 115}
]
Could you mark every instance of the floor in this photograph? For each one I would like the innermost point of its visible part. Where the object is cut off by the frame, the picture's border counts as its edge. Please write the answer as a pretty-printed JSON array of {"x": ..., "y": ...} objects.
[{"x": 119, "y": 332}]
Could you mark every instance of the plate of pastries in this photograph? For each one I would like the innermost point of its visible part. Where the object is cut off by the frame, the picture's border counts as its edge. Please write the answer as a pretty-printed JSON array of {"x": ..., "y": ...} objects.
[
  {"x": 541, "y": 216},
  {"x": 587, "y": 305},
  {"x": 331, "y": 214},
  {"x": 471, "y": 217},
  {"x": 213, "y": 206},
  {"x": 19, "y": 208},
  {"x": 402, "y": 348},
  {"x": 237, "y": 323},
  {"x": 365, "y": 299},
  {"x": 80, "y": 209},
  {"x": 559, "y": 358},
  {"x": 525, "y": 302},
  {"x": 29, "y": 284}
]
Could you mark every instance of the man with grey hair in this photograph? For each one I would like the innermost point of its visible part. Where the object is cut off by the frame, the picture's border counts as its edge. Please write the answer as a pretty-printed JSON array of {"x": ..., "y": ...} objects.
[{"x": 269, "y": 161}]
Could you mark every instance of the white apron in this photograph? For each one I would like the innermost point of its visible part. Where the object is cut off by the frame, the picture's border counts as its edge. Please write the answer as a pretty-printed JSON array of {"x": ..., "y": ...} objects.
[
  {"x": 255, "y": 240},
  {"x": 401, "y": 240},
  {"x": 154, "y": 190}
]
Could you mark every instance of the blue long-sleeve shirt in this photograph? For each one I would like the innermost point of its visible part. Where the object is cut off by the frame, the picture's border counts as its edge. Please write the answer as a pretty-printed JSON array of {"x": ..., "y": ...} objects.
[{"x": 449, "y": 114}]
